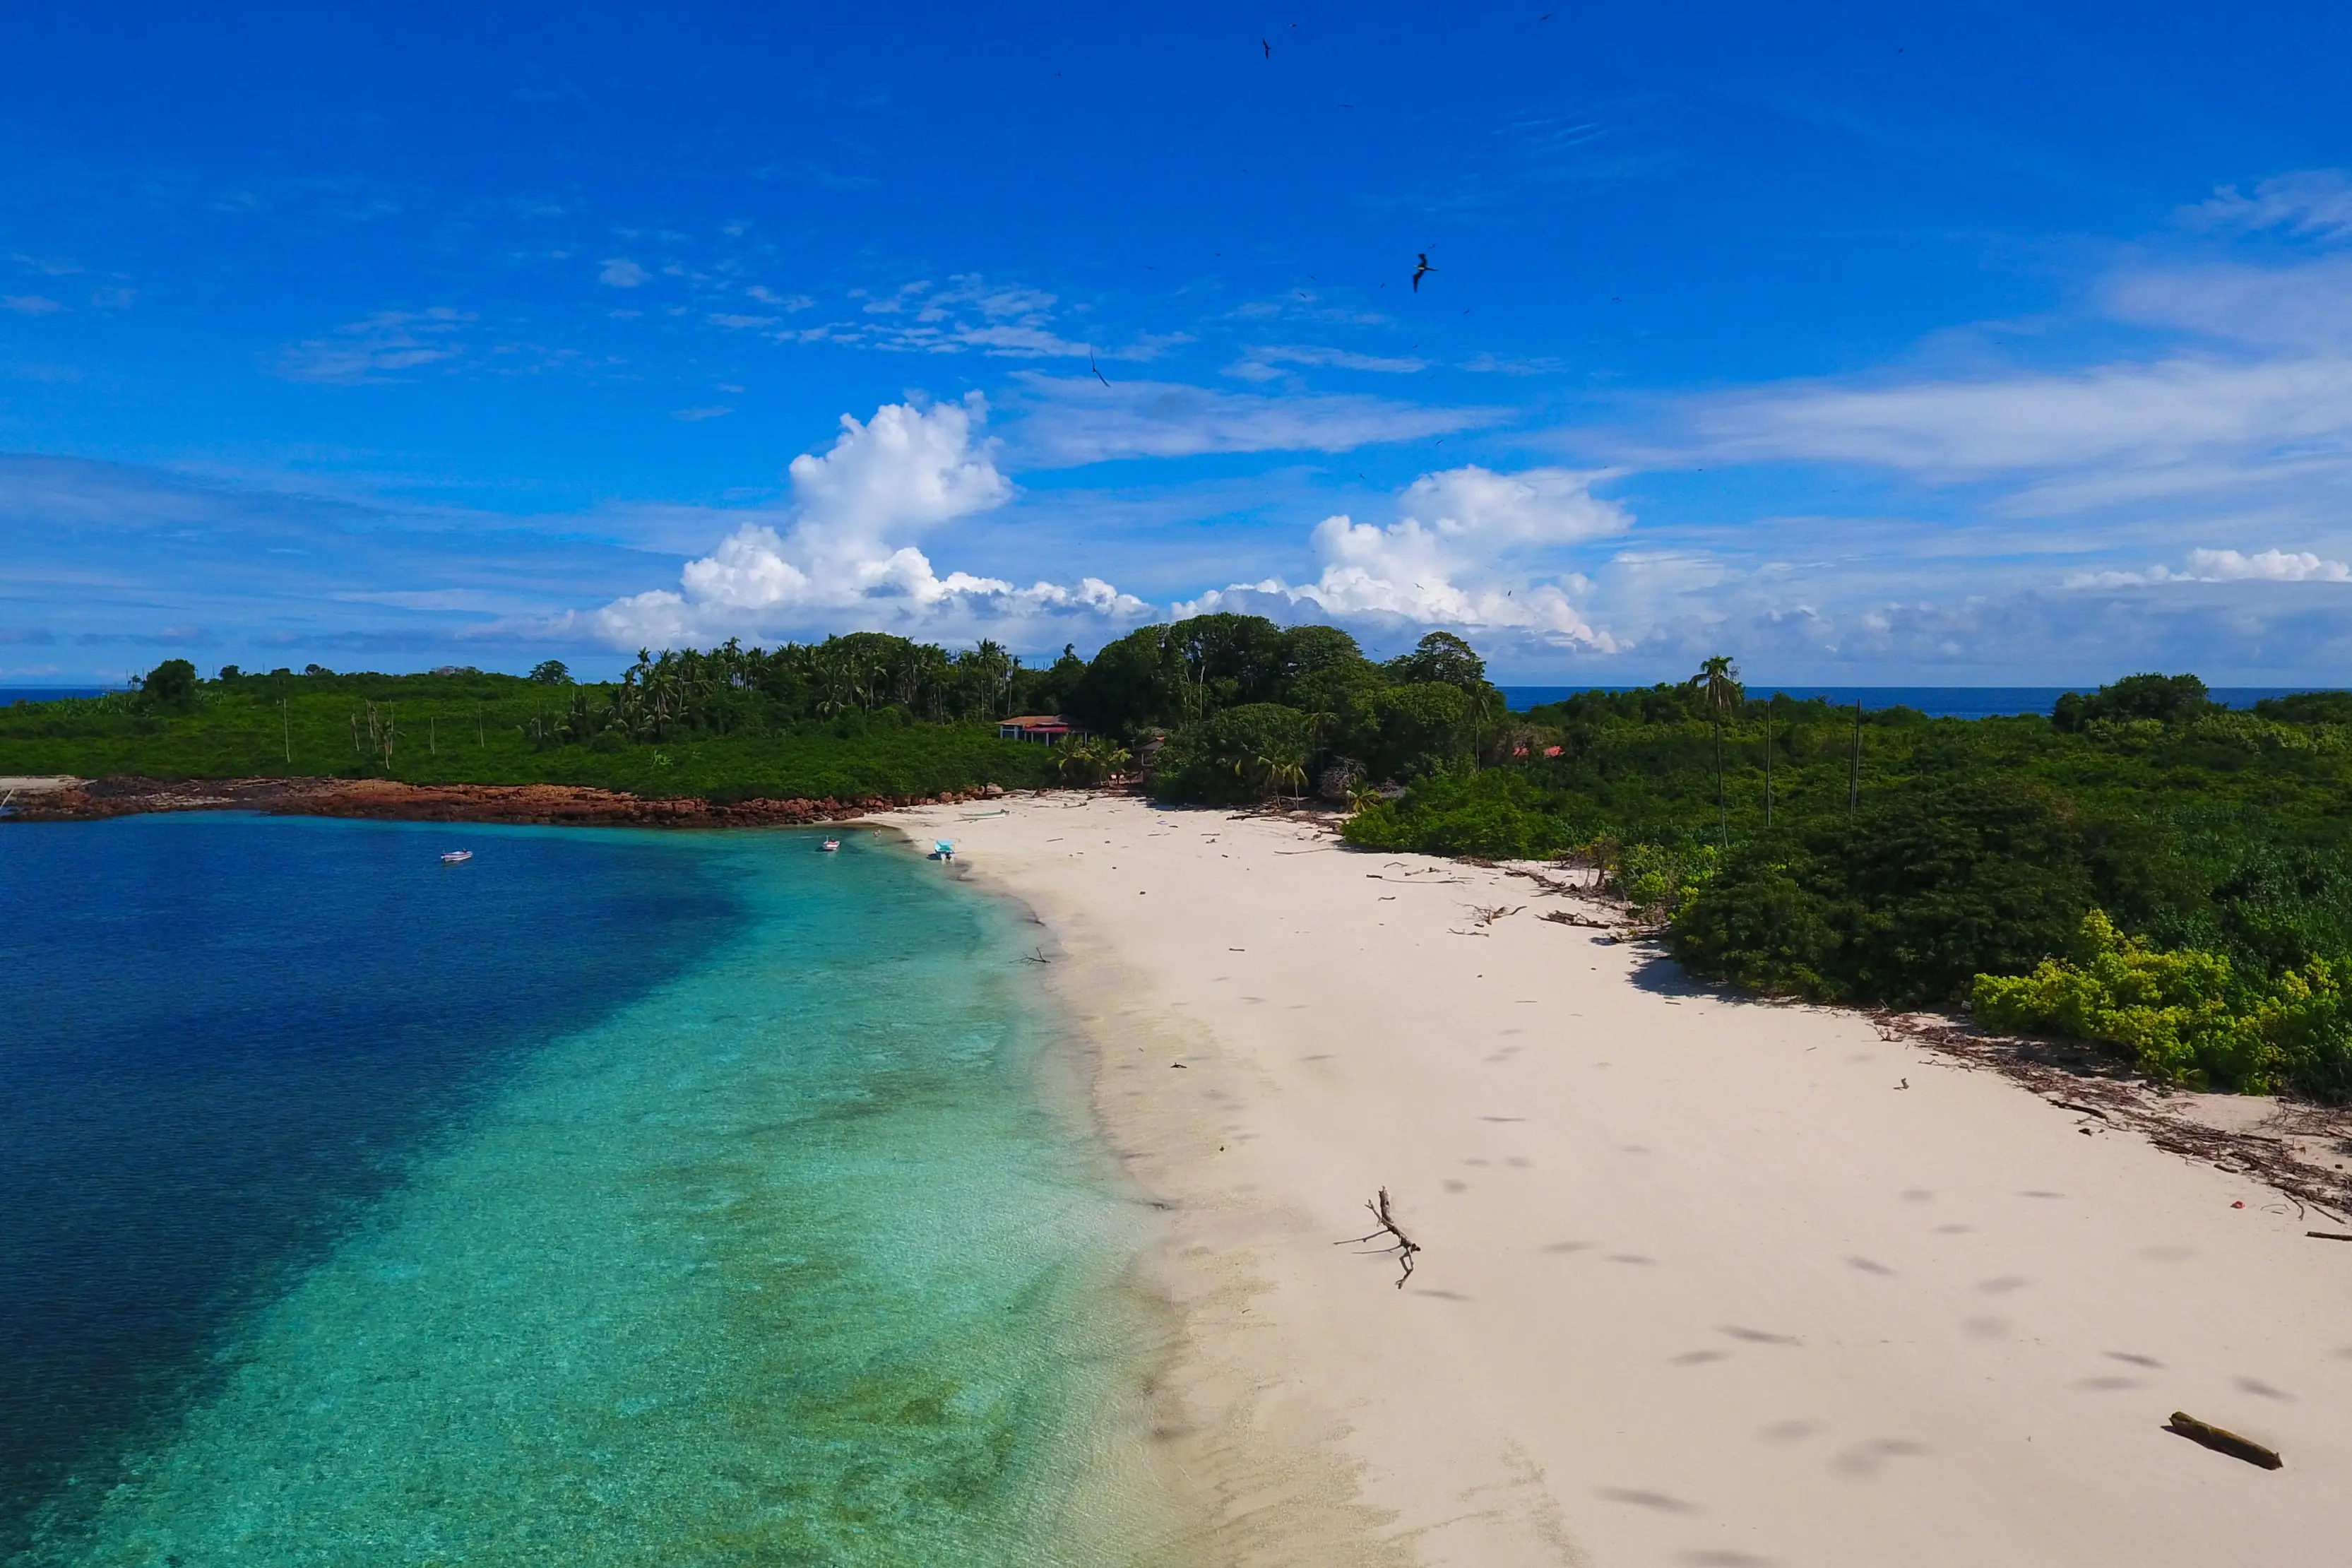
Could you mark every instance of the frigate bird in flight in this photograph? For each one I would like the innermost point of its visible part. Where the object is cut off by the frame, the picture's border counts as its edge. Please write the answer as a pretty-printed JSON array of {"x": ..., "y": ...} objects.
[
  {"x": 1420, "y": 270},
  {"x": 1096, "y": 368}
]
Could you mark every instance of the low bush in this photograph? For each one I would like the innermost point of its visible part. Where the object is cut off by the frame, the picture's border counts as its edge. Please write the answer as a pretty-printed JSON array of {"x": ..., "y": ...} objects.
[{"x": 2184, "y": 1015}]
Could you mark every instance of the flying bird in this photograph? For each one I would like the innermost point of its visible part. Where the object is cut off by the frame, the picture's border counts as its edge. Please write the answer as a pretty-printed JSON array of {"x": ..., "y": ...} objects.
[
  {"x": 1267, "y": 47},
  {"x": 1420, "y": 270},
  {"x": 1096, "y": 368}
]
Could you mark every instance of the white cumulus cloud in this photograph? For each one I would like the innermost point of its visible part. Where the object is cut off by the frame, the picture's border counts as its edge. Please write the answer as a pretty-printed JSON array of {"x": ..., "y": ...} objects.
[
  {"x": 2227, "y": 566},
  {"x": 622, "y": 273},
  {"x": 844, "y": 552},
  {"x": 1461, "y": 554}
]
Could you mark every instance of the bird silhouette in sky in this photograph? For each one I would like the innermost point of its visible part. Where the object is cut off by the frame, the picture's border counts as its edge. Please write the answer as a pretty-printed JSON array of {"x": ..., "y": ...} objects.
[
  {"x": 1267, "y": 47},
  {"x": 1096, "y": 368},
  {"x": 1419, "y": 271}
]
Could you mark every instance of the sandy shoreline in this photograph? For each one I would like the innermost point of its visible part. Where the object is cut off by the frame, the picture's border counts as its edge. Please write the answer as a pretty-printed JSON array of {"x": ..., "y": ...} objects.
[{"x": 1705, "y": 1282}]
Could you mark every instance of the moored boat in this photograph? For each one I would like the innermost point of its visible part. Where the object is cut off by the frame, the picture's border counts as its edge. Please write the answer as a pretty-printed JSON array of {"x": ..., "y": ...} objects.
[{"x": 456, "y": 857}]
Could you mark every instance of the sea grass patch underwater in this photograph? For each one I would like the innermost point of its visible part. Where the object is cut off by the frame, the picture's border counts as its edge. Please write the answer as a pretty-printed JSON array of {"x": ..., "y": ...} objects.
[{"x": 787, "y": 1261}]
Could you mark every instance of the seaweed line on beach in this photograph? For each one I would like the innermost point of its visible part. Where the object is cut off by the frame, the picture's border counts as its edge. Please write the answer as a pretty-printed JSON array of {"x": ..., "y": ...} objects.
[{"x": 2077, "y": 1078}]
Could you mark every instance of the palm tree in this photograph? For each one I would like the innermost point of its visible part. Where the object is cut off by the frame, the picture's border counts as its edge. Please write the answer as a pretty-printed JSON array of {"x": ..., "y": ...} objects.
[
  {"x": 1718, "y": 686},
  {"x": 1287, "y": 769}
]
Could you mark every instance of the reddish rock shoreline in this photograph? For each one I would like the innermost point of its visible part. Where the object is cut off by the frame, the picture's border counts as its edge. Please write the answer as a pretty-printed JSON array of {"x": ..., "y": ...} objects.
[{"x": 564, "y": 804}]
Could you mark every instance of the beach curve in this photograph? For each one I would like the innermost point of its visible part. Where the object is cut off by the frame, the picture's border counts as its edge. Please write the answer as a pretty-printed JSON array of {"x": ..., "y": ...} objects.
[{"x": 1706, "y": 1280}]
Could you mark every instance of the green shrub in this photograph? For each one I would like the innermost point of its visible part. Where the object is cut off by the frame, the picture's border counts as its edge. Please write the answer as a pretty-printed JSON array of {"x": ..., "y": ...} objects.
[
  {"x": 2184, "y": 1015},
  {"x": 1905, "y": 905},
  {"x": 1498, "y": 814},
  {"x": 1659, "y": 880},
  {"x": 1411, "y": 732},
  {"x": 1239, "y": 754}
]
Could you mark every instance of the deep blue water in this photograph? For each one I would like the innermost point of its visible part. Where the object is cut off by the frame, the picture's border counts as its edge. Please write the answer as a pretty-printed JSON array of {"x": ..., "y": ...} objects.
[
  {"x": 224, "y": 1035},
  {"x": 1937, "y": 702}
]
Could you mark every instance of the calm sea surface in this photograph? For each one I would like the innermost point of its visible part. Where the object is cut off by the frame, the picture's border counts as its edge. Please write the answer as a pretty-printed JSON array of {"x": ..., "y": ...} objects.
[
  {"x": 615, "y": 1198},
  {"x": 1937, "y": 702}
]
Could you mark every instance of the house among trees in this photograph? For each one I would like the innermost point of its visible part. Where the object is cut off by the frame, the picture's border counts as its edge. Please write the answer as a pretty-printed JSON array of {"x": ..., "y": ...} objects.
[{"x": 1047, "y": 728}]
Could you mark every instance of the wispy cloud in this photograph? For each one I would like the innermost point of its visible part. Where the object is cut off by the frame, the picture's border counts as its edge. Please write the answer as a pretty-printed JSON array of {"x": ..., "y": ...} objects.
[
  {"x": 111, "y": 561},
  {"x": 970, "y": 314},
  {"x": 620, "y": 272},
  {"x": 1263, "y": 362},
  {"x": 1075, "y": 420},
  {"x": 376, "y": 349},
  {"x": 30, "y": 304},
  {"x": 2317, "y": 202},
  {"x": 2247, "y": 392}
]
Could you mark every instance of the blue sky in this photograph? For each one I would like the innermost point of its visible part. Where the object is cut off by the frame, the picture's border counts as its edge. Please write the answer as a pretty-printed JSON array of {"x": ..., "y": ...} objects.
[{"x": 1870, "y": 344}]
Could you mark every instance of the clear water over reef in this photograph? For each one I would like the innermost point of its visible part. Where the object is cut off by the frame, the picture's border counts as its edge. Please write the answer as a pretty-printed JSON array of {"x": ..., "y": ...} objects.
[{"x": 614, "y": 1199}]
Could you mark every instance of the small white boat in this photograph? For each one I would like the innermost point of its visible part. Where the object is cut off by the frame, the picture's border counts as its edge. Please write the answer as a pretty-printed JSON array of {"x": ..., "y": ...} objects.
[
  {"x": 456, "y": 857},
  {"x": 831, "y": 844}
]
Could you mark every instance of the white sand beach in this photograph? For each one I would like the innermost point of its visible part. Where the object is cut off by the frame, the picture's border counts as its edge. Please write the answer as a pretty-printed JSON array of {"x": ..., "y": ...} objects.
[{"x": 1704, "y": 1283}]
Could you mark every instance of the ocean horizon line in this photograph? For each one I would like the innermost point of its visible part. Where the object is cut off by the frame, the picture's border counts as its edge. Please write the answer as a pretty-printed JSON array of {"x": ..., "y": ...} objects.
[{"x": 1936, "y": 702}]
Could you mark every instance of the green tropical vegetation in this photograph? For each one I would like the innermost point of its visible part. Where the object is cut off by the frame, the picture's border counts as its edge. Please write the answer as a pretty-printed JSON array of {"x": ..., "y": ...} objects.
[
  {"x": 2140, "y": 868},
  {"x": 1886, "y": 858},
  {"x": 848, "y": 718},
  {"x": 1243, "y": 709}
]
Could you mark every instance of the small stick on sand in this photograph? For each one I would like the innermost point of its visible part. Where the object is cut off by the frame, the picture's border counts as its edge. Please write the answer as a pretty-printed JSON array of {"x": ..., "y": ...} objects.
[
  {"x": 1403, "y": 1246},
  {"x": 2222, "y": 1441},
  {"x": 2327, "y": 1235}
]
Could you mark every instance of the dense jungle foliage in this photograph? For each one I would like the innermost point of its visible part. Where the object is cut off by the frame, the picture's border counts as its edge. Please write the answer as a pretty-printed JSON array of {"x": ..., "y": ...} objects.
[{"x": 1249, "y": 709}]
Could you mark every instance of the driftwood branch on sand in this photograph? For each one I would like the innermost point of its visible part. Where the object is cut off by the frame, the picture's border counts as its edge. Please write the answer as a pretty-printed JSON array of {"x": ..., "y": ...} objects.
[
  {"x": 1403, "y": 1246},
  {"x": 2224, "y": 1441}
]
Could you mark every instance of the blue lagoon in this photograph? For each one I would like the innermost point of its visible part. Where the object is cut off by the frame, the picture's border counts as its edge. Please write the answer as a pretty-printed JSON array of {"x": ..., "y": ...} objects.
[{"x": 614, "y": 1199}]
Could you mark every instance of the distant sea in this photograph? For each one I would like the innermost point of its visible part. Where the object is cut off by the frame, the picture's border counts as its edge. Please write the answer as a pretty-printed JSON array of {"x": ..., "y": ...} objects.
[
  {"x": 1936, "y": 702},
  {"x": 615, "y": 1198},
  {"x": 10, "y": 695}
]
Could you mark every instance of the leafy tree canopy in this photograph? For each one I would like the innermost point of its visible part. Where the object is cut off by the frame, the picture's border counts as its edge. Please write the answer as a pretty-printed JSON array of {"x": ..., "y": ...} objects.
[
  {"x": 2167, "y": 699},
  {"x": 171, "y": 684},
  {"x": 1440, "y": 658}
]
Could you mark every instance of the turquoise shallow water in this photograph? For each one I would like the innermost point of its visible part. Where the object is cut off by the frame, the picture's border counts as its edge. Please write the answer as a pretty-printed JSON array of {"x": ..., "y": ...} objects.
[{"x": 788, "y": 1257}]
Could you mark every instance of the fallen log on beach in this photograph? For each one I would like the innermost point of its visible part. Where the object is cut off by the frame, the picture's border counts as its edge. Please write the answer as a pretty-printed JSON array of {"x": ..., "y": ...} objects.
[{"x": 2224, "y": 1441}]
